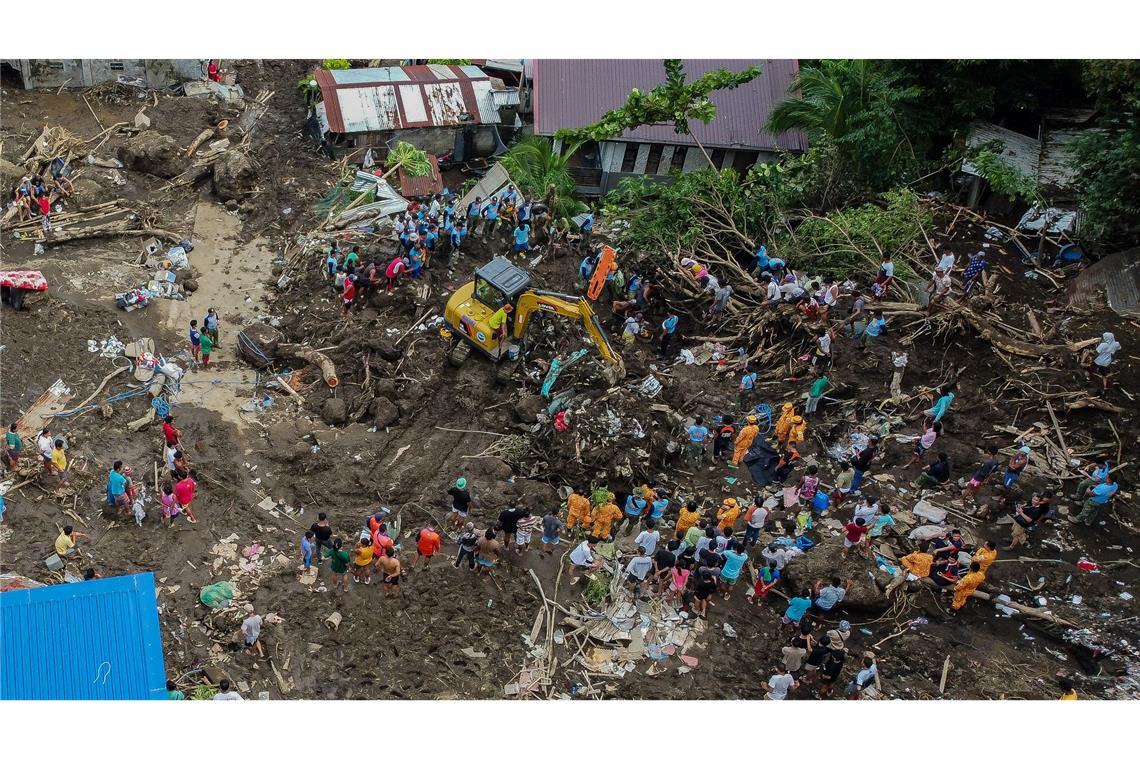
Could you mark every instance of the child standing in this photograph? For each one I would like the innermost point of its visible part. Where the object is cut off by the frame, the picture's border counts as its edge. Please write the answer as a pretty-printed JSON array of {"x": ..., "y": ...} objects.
[{"x": 307, "y": 550}]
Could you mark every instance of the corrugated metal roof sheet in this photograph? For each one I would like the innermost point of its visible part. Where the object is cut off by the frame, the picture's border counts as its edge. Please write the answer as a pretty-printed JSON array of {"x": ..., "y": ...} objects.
[
  {"x": 505, "y": 98},
  {"x": 1056, "y": 156},
  {"x": 379, "y": 99},
  {"x": 1118, "y": 275},
  {"x": 576, "y": 92},
  {"x": 1019, "y": 151},
  {"x": 90, "y": 640},
  {"x": 421, "y": 187}
]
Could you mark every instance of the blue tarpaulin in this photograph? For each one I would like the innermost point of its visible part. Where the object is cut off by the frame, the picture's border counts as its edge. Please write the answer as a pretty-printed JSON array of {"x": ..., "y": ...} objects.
[{"x": 96, "y": 639}]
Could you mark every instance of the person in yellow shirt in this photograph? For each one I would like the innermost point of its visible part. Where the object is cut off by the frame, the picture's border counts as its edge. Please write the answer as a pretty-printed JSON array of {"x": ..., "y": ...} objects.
[
  {"x": 59, "y": 463},
  {"x": 784, "y": 423},
  {"x": 603, "y": 517},
  {"x": 498, "y": 321},
  {"x": 968, "y": 585},
  {"x": 687, "y": 518},
  {"x": 65, "y": 542},
  {"x": 744, "y": 439},
  {"x": 1068, "y": 690},
  {"x": 362, "y": 557},
  {"x": 986, "y": 555},
  {"x": 727, "y": 514},
  {"x": 577, "y": 511}
]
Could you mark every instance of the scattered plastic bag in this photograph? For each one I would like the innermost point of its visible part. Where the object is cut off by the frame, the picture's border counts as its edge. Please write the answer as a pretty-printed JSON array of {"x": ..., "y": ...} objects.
[{"x": 217, "y": 595}]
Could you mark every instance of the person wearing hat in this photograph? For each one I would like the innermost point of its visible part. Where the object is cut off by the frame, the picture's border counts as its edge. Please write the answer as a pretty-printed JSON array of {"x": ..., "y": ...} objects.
[
  {"x": 744, "y": 439},
  {"x": 974, "y": 269},
  {"x": 251, "y": 629},
  {"x": 460, "y": 502},
  {"x": 938, "y": 287},
  {"x": 577, "y": 510},
  {"x": 784, "y": 421},
  {"x": 797, "y": 430},
  {"x": 1017, "y": 464},
  {"x": 727, "y": 514}
]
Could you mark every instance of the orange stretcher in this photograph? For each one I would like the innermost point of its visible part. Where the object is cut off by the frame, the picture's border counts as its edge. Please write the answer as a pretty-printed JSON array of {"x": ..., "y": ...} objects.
[{"x": 606, "y": 264}]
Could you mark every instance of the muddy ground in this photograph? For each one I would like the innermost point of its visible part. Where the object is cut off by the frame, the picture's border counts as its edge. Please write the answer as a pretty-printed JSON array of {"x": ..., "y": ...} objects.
[{"x": 394, "y": 452}]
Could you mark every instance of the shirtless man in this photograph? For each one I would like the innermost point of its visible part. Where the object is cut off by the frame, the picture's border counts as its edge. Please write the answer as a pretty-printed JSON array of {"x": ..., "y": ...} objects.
[
  {"x": 390, "y": 571},
  {"x": 487, "y": 551}
]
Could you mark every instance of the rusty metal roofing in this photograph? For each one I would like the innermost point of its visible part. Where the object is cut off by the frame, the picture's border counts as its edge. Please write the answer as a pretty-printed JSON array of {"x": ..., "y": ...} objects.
[
  {"x": 1118, "y": 276},
  {"x": 574, "y": 93},
  {"x": 421, "y": 187},
  {"x": 401, "y": 97},
  {"x": 88, "y": 640}
]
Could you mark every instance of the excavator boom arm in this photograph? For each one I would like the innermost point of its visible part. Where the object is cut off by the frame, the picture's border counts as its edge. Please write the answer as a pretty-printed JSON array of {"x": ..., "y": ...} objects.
[{"x": 566, "y": 306}]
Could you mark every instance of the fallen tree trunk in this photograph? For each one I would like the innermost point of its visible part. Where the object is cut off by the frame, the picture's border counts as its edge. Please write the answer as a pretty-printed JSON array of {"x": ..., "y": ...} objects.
[
  {"x": 109, "y": 230},
  {"x": 196, "y": 143},
  {"x": 1032, "y": 612},
  {"x": 316, "y": 358}
]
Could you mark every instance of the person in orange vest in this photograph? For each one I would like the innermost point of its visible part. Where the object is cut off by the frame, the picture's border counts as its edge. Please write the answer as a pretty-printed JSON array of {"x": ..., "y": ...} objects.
[
  {"x": 427, "y": 546},
  {"x": 603, "y": 518},
  {"x": 577, "y": 511},
  {"x": 744, "y": 439},
  {"x": 967, "y": 585},
  {"x": 727, "y": 514},
  {"x": 784, "y": 423}
]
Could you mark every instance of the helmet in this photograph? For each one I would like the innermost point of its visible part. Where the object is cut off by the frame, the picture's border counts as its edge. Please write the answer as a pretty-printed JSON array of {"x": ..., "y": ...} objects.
[{"x": 751, "y": 419}]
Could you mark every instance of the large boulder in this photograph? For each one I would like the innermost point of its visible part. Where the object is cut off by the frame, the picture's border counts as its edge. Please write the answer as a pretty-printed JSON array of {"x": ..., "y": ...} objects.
[
  {"x": 529, "y": 406},
  {"x": 383, "y": 412},
  {"x": 822, "y": 561},
  {"x": 153, "y": 153},
  {"x": 334, "y": 411},
  {"x": 257, "y": 343},
  {"x": 234, "y": 176},
  {"x": 385, "y": 387}
]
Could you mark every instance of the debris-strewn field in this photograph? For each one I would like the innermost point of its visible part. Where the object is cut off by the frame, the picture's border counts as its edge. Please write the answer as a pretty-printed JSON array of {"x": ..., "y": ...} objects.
[{"x": 402, "y": 424}]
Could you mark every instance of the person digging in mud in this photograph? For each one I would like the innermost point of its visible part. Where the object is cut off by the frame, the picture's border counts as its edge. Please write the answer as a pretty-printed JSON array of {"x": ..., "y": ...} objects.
[
  {"x": 584, "y": 559},
  {"x": 1098, "y": 505},
  {"x": 251, "y": 629},
  {"x": 466, "y": 540},
  {"x": 65, "y": 542},
  {"x": 389, "y": 566},
  {"x": 936, "y": 475},
  {"x": 339, "y": 564},
  {"x": 427, "y": 546},
  {"x": 460, "y": 503},
  {"x": 551, "y": 527},
  {"x": 863, "y": 679},
  {"x": 487, "y": 551}
]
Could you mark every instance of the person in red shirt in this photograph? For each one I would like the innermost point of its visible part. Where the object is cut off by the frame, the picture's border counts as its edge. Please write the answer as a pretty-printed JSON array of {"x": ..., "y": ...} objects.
[
  {"x": 427, "y": 546},
  {"x": 45, "y": 211},
  {"x": 853, "y": 534},
  {"x": 170, "y": 433},
  {"x": 349, "y": 294},
  {"x": 213, "y": 73},
  {"x": 184, "y": 493}
]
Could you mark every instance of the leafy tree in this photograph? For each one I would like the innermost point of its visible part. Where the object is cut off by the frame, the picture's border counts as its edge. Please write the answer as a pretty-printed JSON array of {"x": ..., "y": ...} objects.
[
  {"x": 676, "y": 102},
  {"x": 333, "y": 64},
  {"x": 450, "y": 61},
  {"x": 864, "y": 110},
  {"x": 538, "y": 170},
  {"x": 414, "y": 161}
]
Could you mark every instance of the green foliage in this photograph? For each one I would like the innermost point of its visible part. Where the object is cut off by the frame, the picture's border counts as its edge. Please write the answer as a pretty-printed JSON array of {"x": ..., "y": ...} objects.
[
  {"x": 203, "y": 691},
  {"x": 535, "y": 167},
  {"x": 597, "y": 588},
  {"x": 413, "y": 161},
  {"x": 849, "y": 243},
  {"x": 676, "y": 102},
  {"x": 600, "y": 496},
  {"x": 1004, "y": 178},
  {"x": 1113, "y": 84},
  {"x": 333, "y": 64},
  {"x": 861, "y": 109},
  {"x": 450, "y": 61},
  {"x": 1107, "y": 163}
]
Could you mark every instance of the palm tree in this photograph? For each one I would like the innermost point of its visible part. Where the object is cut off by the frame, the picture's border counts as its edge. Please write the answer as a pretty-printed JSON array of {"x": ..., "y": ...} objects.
[
  {"x": 676, "y": 102},
  {"x": 537, "y": 169},
  {"x": 827, "y": 96}
]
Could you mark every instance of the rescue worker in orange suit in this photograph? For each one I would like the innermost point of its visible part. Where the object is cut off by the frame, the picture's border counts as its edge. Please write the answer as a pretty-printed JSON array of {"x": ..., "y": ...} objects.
[
  {"x": 603, "y": 518},
  {"x": 916, "y": 565},
  {"x": 784, "y": 423},
  {"x": 744, "y": 439},
  {"x": 687, "y": 518},
  {"x": 797, "y": 429},
  {"x": 578, "y": 511},
  {"x": 968, "y": 585},
  {"x": 985, "y": 556},
  {"x": 727, "y": 514}
]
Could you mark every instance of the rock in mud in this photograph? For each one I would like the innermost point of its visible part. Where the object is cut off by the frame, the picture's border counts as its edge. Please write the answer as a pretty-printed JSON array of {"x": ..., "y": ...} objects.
[
  {"x": 407, "y": 408},
  {"x": 383, "y": 412},
  {"x": 334, "y": 411},
  {"x": 190, "y": 285},
  {"x": 822, "y": 561},
  {"x": 528, "y": 407},
  {"x": 385, "y": 387},
  {"x": 234, "y": 176},
  {"x": 152, "y": 153},
  {"x": 412, "y": 391},
  {"x": 258, "y": 343}
]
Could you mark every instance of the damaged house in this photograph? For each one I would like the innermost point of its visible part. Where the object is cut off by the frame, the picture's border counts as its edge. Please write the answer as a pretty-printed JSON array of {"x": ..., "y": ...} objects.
[
  {"x": 437, "y": 108},
  {"x": 53, "y": 73},
  {"x": 570, "y": 93}
]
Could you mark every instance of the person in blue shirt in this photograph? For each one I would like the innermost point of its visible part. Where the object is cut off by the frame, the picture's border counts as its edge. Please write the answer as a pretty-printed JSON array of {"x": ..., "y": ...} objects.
[
  {"x": 473, "y": 212},
  {"x": 457, "y": 233},
  {"x": 698, "y": 436},
  {"x": 797, "y": 606},
  {"x": 658, "y": 505},
  {"x": 587, "y": 228},
  {"x": 1094, "y": 476},
  {"x": 331, "y": 262},
  {"x": 874, "y": 329},
  {"x": 747, "y": 390},
  {"x": 431, "y": 237},
  {"x": 586, "y": 268},
  {"x": 668, "y": 328},
  {"x": 522, "y": 238},
  {"x": 762, "y": 260},
  {"x": 633, "y": 286},
  {"x": 524, "y": 212},
  {"x": 635, "y": 508},
  {"x": 938, "y": 411},
  {"x": 490, "y": 219},
  {"x": 416, "y": 263},
  {"x": 117, "y": 486},
  {"x": 734, "y": 559},
  {"x": 1095, "y": 508}
]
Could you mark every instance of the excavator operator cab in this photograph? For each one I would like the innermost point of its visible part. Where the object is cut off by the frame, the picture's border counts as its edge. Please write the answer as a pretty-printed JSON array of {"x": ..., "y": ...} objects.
[{"x": 500, "y": 282}]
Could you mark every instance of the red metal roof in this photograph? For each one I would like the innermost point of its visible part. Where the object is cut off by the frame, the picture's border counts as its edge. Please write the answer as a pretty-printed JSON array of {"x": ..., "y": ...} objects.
[
  {"x": 421, "y": 187},
  {"x": 571, "y": 93}
]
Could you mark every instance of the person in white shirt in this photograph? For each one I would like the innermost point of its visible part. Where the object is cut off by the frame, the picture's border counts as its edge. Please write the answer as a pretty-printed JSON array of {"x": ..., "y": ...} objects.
[
  {"x": 637, "y": 569},
  {"x": 773, "y": 289},
  {"x": 781, "y": 683},
  {"x": 582, "y": 558},
  {"x": 754, "y": 523},
  {"x": 225, "y": 695},
  {"x": 946, "y": 263},
  {"x": 648, "y": 538},
  {"x": 45, "y": 445},
  {"x": 938, "y": 287},
  {"x": 1105, "y": 353},
  {"x": 778, "y": 554},
  {"x": 865, "y": 678}
]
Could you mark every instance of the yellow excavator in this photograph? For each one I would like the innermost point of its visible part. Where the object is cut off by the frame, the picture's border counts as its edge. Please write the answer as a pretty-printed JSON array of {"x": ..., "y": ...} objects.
[{"x": 497, "y": 283}]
